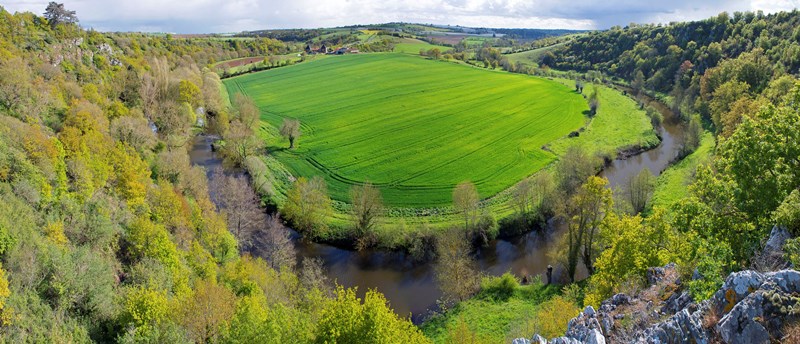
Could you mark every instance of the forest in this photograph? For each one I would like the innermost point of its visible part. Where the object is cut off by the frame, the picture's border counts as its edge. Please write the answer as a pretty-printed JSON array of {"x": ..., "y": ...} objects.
[{"x": 107, "y": 233}]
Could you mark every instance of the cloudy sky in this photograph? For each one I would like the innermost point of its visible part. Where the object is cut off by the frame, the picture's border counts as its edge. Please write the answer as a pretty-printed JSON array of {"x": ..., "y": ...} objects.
[{"x": 205, "y": 16}]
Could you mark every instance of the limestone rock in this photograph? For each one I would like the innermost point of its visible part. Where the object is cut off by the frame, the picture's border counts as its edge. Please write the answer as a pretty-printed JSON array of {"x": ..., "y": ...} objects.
[
  {"x": 777, "y": 237},
  {"x": 595, "y": 337},
  {"x": 589, "y": 311}
]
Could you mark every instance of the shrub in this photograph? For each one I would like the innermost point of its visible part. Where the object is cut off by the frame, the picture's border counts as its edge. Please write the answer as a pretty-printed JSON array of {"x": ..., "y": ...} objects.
[
  {"x": 499, "y": 288},
  {"x": 713, "y": 260},
  {"x": 553, "y": 315},
  {"x": 791, "y": 251}
]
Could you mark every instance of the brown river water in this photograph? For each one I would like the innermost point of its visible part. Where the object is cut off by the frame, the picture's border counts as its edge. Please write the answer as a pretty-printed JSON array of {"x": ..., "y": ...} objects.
[{"x": 409, "y": 286}]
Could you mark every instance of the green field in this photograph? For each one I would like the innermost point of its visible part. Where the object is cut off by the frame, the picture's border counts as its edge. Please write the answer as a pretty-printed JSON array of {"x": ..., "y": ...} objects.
[
  {"x": 413, "y": 46},
  {"x": 412, "y": 126},
  {"x": 531, "y": 57},
  {"x": 619, "y": 124}
]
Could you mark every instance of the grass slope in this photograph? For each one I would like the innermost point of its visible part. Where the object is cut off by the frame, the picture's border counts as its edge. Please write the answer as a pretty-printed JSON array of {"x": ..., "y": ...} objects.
[
  {"x": 413, "y": 46},
  {"x": 619, "y": 124},
  {"x": 672, "y": 184},
  {"x": 531, "y": 57},
  {"x": 413, "y": 127},
  {"x": 491, "y": 320}
]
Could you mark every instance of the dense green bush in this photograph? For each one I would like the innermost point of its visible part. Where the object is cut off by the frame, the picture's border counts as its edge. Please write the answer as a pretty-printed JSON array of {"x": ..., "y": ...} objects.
[{"x": 499, "y": 288}]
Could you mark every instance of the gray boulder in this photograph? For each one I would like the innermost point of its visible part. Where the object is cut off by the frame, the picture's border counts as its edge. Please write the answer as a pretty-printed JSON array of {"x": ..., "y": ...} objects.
[
  {"x": 676, "y": 302},
  {"x": 589, "y": 311},
  {"x": 739, "y": 325},
  {"x": 761, "y": 310},
  {"x": 657, "y": 274},
  {"x": 520, "y": 341},
  {"x": 595, "y": 337},
  {"x": 683, "y": 327},
  {"x": 537, "y": 339},
  {"x": 736, "y": 287},
  {"x": 777, "y": 237}
]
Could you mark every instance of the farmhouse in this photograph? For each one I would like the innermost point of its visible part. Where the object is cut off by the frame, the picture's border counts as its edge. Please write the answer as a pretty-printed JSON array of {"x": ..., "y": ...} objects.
[{"x": 321, "y": 50}]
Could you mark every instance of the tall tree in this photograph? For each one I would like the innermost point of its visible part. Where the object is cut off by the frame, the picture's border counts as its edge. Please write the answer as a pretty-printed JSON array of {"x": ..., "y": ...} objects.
[
  {"x": 236, "y": 199},
  {"x": 531, "y": 195},
  {"x": 240, "y": 143},
  {"x": 275, "y": 244},
  {"x": 638, "y": 82},
  {"x": 587, "y": 209},
  {"x": 367, "y": 207},
  {"x": 208, "y": 311},
  {"x": 639, "y": 189},
  {"x": 55, "y": 13},
  {"x": 307, "y": 205},
  {"x": 594, "y": 100},
  {"x": 456, "y": 271},
  {"x": 573, "y": 168},
  {"x": 290, "y": 129},
  {"x": 247, "y": 110},
  {"x": 465, "y": 200}
]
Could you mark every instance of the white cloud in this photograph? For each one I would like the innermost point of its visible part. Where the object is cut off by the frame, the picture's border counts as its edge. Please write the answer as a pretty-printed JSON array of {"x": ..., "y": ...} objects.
[{"x": 201, "y": 16}]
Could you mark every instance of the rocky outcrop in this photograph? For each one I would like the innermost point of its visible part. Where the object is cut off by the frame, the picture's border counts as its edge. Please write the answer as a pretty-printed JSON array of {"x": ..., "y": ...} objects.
[
  {"x": 757, "y": 306},
  {"x": 771, "y": 258},
  {"x": 750, "y": 307}
]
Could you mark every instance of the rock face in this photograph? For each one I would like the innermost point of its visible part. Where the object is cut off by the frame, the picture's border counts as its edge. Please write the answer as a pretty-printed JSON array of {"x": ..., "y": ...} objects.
[
  {"x": 771, "y": 258},
  {"x": 756, "y": 306},
  {"x": 777, "y": 237},
  {"x": 750, "y": 307}
]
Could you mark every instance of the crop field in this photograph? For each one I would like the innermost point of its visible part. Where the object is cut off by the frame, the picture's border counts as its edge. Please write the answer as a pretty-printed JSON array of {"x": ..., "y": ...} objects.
[
  {"x": 412, "y": 46},
  {"x": 531, "y": 57},
  {"x": 412, "y": 126}
]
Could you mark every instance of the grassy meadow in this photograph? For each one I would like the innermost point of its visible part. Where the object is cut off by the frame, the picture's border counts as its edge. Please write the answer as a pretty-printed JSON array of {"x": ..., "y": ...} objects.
[
  {"x": 412, "y": 126},
  {"x": 533, "y": 308},
  {"x": 672, "y": 184},
  {"x": 413, "y": 46},
  {"x": 531, "y": 57},
  {"x": 618, "y": 124}
]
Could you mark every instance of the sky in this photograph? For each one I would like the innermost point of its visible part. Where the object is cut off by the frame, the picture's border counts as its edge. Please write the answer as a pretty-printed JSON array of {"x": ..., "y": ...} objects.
[{"x": 220, "y": 16}]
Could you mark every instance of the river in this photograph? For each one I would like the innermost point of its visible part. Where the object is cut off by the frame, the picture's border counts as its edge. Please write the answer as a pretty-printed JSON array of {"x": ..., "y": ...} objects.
[{"x": 409, "y": 286}]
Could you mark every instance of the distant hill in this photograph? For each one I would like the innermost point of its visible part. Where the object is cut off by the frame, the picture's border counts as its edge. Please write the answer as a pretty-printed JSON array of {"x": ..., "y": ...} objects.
[
  {"x": 301, "y": 35},
  {"x": 659, "y": 50}
]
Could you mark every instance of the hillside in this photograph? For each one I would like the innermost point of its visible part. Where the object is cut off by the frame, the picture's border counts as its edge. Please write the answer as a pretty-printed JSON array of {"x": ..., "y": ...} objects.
[{"x": 109, "y": 234}]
